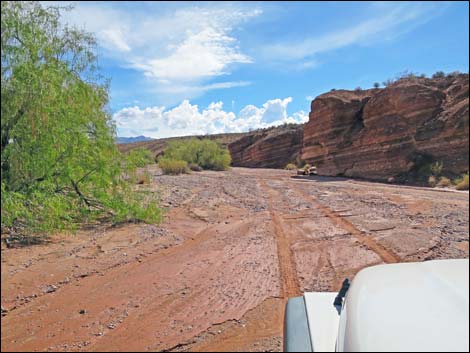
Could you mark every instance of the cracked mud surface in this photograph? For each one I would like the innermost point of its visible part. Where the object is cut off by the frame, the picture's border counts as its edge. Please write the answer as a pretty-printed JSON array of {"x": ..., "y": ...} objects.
[{"x": 216, "y": 274}]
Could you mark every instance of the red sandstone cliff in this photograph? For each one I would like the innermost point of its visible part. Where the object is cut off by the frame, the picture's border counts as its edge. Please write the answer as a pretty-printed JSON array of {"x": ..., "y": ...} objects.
[
  {"x": 271, "y": 148},
  {"x": 382, "y": 133}
]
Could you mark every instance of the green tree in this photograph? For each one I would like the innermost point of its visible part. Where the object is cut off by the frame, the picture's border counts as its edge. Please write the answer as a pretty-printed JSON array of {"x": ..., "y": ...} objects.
[
  {"x": 59, "y": 162},
  {"x": 205, "y": 153}
]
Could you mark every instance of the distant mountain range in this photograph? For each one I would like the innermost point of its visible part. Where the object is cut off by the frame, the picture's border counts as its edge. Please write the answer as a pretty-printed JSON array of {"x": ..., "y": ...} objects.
[{"x": 122, "y": 140}]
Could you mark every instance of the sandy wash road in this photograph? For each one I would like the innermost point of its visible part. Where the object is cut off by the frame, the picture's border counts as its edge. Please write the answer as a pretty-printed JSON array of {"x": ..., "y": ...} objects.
[{"x": 216, "y": 273}]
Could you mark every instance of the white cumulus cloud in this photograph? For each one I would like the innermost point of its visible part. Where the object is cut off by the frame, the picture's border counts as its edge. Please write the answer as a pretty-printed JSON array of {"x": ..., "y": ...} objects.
[{"x": 188, "y": 119}]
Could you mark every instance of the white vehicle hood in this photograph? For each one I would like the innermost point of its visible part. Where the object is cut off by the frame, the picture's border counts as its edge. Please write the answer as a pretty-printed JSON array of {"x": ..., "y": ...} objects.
[{"x": 407, "y": 307}]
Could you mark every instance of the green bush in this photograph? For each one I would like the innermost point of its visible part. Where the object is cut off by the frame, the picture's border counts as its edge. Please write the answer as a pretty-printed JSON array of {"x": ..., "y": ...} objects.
[
  {"x": 290, "y": 166},
  {"x": 139, "y": 157},
  {"x": 436, "y": 168},
  {"x": 462, "y": 184},
  {"x": 60, "y": 166},
  {"x": 173, "y": 166},
  {"x": 205, "y": 153}
]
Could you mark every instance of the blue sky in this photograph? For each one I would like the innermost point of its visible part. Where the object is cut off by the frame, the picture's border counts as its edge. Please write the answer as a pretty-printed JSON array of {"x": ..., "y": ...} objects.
[{"x": 182, "y": 68}]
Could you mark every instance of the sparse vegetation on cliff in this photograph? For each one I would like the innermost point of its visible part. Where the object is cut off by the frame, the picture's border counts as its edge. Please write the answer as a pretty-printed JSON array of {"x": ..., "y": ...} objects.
[{"x": 407, "y": 75}]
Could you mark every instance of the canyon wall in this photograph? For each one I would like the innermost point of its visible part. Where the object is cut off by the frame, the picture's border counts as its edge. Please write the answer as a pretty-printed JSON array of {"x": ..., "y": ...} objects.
[
  {"x": 390, "y": 132},
  {"x": 270, "y": 148},
  {"x": 375, "y": 134}
]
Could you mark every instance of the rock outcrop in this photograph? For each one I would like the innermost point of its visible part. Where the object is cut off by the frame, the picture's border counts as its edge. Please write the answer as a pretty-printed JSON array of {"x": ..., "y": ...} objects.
[
  {"x": 270, "y": 148},
  {"x": 390, "y": 132}
]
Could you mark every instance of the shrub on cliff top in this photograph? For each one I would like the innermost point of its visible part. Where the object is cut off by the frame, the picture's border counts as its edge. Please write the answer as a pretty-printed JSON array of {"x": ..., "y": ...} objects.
[
  {"x": 439, "y": 74},
  {"x": 205, "y": 153},
  {"x": 387, "y": 82}
]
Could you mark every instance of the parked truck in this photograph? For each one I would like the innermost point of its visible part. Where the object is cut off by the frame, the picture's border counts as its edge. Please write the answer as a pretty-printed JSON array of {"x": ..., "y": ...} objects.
[{"x": 397, "y": 307}]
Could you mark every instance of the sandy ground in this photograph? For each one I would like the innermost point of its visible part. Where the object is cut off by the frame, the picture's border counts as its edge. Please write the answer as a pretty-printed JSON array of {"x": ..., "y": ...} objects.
[{"x": 215, "y": 275}]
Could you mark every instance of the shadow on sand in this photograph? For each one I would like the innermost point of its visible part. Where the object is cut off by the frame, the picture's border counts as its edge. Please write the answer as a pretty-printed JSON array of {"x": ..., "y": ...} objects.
[
  {"x": 320, "y": 178},
  {"x": 20, "y": 241}
]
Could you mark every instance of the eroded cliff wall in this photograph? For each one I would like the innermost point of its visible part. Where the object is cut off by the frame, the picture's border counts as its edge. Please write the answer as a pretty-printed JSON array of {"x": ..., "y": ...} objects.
[
  {"x": 272, "y": 148},
  {"x": 383, "y": 133}
]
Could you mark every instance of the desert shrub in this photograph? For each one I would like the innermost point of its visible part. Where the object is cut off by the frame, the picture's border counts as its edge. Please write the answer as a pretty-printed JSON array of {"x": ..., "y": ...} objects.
[
  {"x": 444, "y": 182},
  {"x": 173, "y": 166},
  {"x": 205, "y": 153},
  {"x": 139, "y": 157},
  {"x": 462, "y": 184},
  {"x": 291, "y": 166},
  {"x": 439, "y": 74},
  {"x": 436, "y": 168},
  {"x": 458, "y": 180},
  {"x": 307, "y": 168},
  {"x": 376, "y": 85},
  {"x": 432, "y": 181},
  {"x": 406, "y": 75},
  {"x": 358, "y": 89},
  {"x": 60, "y": 166},
  {"x": 387, "y": 82},
  {"x": 143, "y": 177},
  {"x": 454, "y": 74},
  {"x": 194, "y": 167}
]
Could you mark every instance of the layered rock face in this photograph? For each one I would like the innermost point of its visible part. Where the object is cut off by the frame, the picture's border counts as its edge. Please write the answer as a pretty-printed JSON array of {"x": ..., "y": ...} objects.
[
  {"x": 273, "y": 148},
  {"x": 382, "y": 133}
]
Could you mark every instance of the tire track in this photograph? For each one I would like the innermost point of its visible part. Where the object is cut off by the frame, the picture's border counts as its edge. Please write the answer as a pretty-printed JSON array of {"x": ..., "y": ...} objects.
[
  {"x": 387, "y": 255},
  {"x": 289, "y": 281}
]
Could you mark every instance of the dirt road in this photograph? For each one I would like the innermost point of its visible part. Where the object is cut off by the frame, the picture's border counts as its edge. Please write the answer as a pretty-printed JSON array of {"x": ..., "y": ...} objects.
[{"x": 215, "y": 275}]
